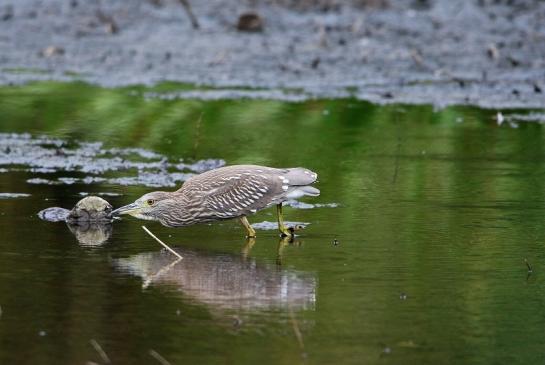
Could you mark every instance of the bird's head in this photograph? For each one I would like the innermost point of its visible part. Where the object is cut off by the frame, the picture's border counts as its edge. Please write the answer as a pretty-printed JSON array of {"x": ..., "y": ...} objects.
[{"x": 153, "y": 206}]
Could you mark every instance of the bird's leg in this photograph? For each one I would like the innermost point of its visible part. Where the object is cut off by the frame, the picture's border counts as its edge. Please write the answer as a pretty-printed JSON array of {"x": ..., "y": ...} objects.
[
  {"x": 285, "y": 232},
  {"x": 247, "y": 225}
]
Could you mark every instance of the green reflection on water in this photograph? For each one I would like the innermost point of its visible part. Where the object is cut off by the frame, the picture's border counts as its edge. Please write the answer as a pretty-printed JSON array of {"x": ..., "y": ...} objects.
[{"x": 437, "y": 212}]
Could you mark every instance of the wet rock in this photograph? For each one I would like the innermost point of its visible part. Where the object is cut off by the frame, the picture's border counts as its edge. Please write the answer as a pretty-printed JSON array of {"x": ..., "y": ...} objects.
[
  {"x": 90, "y": 220},
  {"x": 91, "y": 209},
  {"x": 250, "y": 22},
  {"x": 88, "y": 209},
  {"x": 54, "y": 214}
]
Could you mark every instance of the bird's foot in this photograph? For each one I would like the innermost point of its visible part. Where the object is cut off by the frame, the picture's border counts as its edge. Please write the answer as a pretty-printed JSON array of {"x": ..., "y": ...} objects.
[
  {"x": 290, "y": 231},
  {"x": 287, "y": 233}
]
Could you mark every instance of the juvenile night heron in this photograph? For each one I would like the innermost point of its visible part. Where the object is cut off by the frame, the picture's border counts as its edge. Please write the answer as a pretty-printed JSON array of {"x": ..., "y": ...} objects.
[{"x": 225, "y": 193}]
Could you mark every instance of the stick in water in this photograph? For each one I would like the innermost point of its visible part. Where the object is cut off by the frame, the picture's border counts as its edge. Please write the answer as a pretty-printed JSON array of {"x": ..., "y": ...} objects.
[
  {"x": 100, "y": 351},
  {"x": 162, "y": 243}
]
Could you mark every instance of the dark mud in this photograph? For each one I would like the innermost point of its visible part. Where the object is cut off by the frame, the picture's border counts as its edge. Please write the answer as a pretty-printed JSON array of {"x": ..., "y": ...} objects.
[{"x": 479, "y": 52}]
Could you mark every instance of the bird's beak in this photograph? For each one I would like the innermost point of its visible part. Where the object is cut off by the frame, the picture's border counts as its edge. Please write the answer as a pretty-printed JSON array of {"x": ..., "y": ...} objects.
[{"x": 127, "y": 209}]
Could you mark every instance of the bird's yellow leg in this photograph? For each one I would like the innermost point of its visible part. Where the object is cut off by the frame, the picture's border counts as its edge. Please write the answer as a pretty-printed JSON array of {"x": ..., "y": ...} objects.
[
  {"x": 285, "y": 232},
  {"x": 247, "y": 225}
]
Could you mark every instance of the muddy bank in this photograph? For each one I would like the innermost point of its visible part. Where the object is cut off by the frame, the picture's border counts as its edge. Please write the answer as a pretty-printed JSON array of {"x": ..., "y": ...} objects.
[{"x": 486, "y": 53}]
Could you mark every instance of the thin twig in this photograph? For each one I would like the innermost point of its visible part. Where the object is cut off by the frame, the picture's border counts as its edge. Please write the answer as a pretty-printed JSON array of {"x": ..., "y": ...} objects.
[
  {"x": 528, "y": 265},
  {"x": 162, "y": 243},
  {"x": 158, "y": 357},
  {"x": 100, "y": 351},
  {"x": 189, "y": 12}
]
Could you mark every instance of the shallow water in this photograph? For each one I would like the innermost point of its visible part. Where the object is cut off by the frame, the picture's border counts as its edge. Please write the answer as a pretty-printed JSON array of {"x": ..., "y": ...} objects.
[{"x": 414, "y": 253}]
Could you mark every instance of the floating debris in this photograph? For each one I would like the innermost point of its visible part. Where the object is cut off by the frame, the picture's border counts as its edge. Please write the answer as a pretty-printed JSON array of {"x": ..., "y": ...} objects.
[
  {"x": 84, "y": 193},
  {"x": 101, "y": 165},
  {"x": 54, "y": 214},
  {"x": 271, "y": 226},
  {"x": 201, "y": 166},
  {"x": 13, "y": 195},
  {"x": 301, "y": 205},
  {"x": 530, "y": 117},
  {"x": 499, "y": 118}
]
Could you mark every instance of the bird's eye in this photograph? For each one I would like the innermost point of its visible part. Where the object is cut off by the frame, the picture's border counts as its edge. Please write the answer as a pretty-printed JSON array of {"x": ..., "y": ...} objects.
[{"x": 150, "y": 202}]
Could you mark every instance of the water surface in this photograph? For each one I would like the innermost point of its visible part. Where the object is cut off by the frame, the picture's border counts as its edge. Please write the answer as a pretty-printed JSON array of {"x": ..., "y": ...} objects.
[{"x": 433, "y": 214}]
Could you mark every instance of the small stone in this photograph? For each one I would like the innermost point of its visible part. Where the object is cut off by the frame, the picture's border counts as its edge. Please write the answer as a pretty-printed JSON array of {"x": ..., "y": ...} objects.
[
  {"x": 493, "y": 52},
  {"x": 250, "y": 22},
  {"x": 52, "y": 51}
]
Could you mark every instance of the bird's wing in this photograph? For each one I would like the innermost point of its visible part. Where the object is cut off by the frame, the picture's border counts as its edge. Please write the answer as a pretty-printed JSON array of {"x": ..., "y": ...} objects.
[{"x": 227, "y": 193}]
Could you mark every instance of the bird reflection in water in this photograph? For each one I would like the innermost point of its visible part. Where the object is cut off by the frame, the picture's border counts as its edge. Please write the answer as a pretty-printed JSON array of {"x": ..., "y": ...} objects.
[{"x": 224, "y": 281}]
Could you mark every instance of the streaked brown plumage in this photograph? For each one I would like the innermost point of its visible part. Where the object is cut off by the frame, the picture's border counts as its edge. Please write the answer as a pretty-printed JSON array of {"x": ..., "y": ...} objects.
[{"x": 225, "y": 193}]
